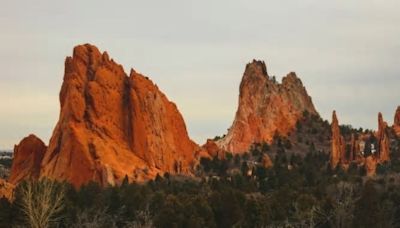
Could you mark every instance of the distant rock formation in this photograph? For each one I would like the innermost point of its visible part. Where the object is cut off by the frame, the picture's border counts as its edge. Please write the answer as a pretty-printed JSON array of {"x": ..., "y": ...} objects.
[
  {"x": 265, "y": 108},
  {"x": 368, "y": 149},
  {"x": 28, "y": 155},
  {"x": 396, "y": 124},
  {"x": 338, "y": 144},
  {"x": 110, "y": 126},
  {"x": 383, "y": 139}
]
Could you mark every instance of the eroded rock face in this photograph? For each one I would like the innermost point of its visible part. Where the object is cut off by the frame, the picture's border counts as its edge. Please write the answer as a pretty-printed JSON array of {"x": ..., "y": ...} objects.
[
  {"x": 370, "y": 165},
  {"x": 396, "y": 123},
  {"x": 28, "y": 155},
  {"x": 383, "y": 139},
  {"x": 6, "y": 189},
  {"x": 338, "y": 144},
  {"x": 112, "y": 125},
  {"x": 213, "y": 150},
  {"x": 265, "y": 108}
]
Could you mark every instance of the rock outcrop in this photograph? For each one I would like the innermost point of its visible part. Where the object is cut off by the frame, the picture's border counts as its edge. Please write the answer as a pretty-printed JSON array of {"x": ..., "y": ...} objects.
[
  {"x": 112, "y": 125},
  {"x": 370, "y": 165},
  {"x": 213, "y": 150},
  {"x": 6, "y": 189},
  {"x": 383, "y": 140},
  {"x": 338, "y": 144},
  {"x": 28, "y": 155},
  {"x": 396, "y": 123},
  {"x": 367, "y": 149},
  {"x": 266, "y": 161},
  {"x": 265, "y": 108}
]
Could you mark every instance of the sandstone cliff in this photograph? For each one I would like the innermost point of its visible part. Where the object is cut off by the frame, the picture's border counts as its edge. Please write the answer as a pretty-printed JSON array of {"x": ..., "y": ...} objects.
[
  {"x": 112, "y": 125},
  {"x": 265, "y": 108},
  {"x": 28, "y": 155}
]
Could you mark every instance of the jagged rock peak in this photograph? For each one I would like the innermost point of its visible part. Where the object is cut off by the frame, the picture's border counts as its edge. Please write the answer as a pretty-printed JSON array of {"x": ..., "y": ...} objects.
[
  {"x": 111, "y": 126},
  {"x": 265, "y": 108},
  {"x": 255, "y": 67}
]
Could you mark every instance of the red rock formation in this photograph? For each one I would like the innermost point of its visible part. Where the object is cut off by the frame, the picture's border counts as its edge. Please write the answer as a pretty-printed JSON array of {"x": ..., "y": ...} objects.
[
  {"x": 370, "y": 165},
  {"x": 338, "y": 144},
  {"x": 396, "y": 124},
  {"x": 213, "y": 150},
  {"x": 6, "y": 189},
  {"x": 266, "y": 161},
  {"x": 265, "y": 108},
  {"x": 112, "y": 125},
  {"x": 28, "y": 155},
  {"x": 383, "y": 139}
]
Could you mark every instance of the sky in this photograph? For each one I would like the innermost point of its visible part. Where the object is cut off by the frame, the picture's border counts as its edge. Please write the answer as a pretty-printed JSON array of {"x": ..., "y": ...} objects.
[{"x": 345, "y": 52}]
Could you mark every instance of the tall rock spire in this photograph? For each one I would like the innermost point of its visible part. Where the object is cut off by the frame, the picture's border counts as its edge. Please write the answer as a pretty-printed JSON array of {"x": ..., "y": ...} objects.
[
  {"x": 383, "y": 139},
  {"x": 266, "y": 108},
  {"x": 338, "y": 144}
]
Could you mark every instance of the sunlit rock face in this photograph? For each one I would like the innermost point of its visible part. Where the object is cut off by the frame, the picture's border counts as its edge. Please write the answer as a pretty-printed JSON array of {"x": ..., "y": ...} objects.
[
  {"x": 6, "y": 189},
  {"x": 383, "y": 139},
  {"x": 367, "y": 149},
  {"x": 28, "y": 155},
  {"x": 338, "y": 144},
  {"x": 112, "y": 125},
  {"x": 266, "y": 108}
]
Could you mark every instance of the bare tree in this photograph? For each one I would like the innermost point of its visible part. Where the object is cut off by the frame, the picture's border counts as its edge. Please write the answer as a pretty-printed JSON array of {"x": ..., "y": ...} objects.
[
  {"x": 94, "y": 217},
  {"x": 341, "y": 215},
  {"x": 143, "y": 220},
  {"x": 41, "y": 202}
]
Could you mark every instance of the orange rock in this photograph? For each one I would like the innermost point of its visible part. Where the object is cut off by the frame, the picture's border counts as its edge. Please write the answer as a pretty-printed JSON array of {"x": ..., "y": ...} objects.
[
  {"x": 112, "y": 126},
  {"x": 370, "y": 165},
  {"x": 265, "y": 108},
  {"x": 6, "y": 189},
  {"x": 338, "y": 144},
  {"x": 396, "y": 124},
  {"x": 266, "y": 161},
  {"x": 28, "y": 155},
  {"x": 383, "y": 139},
  {"x": 213, "y": 150}
]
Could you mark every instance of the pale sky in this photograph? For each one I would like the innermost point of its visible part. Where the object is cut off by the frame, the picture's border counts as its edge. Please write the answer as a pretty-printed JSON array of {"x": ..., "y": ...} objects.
[{"x": 345, "y": 52}]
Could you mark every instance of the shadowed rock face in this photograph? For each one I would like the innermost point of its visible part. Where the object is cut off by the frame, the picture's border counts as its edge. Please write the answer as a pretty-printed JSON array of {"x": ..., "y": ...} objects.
[
  {"x": 28, "y": 155},
  {"x": 265, "y": 108},
  {"x": 112, "y": 125}
]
